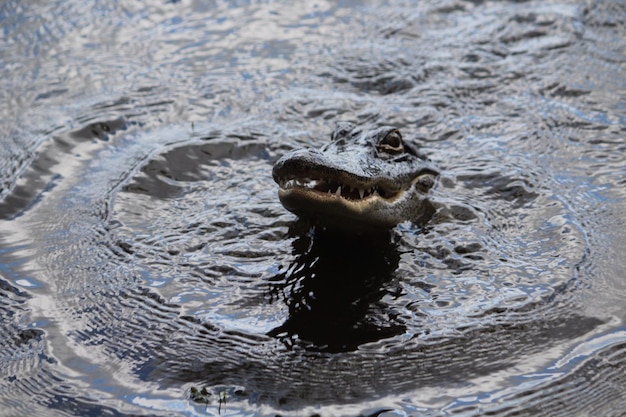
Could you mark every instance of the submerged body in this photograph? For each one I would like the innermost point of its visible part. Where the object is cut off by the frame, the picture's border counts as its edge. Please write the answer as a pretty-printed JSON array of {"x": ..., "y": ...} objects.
[{"x": 360, "y": 181}]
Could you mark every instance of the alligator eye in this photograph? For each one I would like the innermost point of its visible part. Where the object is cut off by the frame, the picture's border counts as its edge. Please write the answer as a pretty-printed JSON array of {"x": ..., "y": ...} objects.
[{"x": 392, "y": 143}]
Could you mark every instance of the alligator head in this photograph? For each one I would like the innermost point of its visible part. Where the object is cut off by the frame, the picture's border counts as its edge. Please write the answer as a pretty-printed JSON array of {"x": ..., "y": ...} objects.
[{"x": 361, "y": 180}]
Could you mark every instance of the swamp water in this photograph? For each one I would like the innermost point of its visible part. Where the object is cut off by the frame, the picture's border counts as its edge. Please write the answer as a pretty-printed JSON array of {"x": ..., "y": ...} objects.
[{"x": 148, "y": 268}]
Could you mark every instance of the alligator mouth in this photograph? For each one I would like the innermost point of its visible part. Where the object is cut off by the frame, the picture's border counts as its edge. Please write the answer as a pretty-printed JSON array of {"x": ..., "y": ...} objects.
[{"x": 327, "y": 187}]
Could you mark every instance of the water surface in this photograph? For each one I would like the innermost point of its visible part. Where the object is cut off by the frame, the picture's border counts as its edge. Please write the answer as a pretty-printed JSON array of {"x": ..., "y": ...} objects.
[{"x": 147, "y": 267}]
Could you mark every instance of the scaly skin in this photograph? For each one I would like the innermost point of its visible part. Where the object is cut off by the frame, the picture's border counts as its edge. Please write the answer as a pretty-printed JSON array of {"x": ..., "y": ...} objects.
[{"x": 360, "y": 181}]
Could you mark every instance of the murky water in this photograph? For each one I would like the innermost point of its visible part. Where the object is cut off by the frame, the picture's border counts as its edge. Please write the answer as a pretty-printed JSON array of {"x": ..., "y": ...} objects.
[{"x": 147, "y": 267}]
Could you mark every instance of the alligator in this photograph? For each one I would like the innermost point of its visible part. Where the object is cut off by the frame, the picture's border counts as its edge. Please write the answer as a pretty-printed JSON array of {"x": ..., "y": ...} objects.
[{"x": 362, "y": 180}]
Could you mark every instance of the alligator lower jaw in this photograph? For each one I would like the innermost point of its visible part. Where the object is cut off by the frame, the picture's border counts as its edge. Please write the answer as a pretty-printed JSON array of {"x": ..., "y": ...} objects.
[
  {"x": 332, "y": 210},
  {"x": 300, "y": 199},
  {"x": 343, "y": 207},
  {"x": 337, "y": 204}
]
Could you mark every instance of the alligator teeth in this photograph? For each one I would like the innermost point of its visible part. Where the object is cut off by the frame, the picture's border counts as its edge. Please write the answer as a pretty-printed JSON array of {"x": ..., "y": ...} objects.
[{"x": 331, "y": 187}]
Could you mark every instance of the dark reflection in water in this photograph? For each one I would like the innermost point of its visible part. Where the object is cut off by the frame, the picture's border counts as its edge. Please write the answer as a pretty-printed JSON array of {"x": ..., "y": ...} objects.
[{"x": 333, "y": 289}]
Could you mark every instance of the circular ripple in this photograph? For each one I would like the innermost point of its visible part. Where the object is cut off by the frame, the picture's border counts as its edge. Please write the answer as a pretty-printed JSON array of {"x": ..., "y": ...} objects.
[{"x": 217, "y": 286}]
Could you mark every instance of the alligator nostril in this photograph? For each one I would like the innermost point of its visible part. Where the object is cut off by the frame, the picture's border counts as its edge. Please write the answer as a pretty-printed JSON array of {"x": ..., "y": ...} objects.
[{"x": 425, "y": 182}]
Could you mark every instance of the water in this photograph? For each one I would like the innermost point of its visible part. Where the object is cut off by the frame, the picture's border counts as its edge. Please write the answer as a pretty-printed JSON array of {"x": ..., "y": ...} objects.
[{"x": 147, "y": 267}]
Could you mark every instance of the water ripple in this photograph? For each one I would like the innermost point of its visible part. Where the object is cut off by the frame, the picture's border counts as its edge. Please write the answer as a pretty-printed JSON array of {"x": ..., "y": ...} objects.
[{"x": 147, "y": 267}]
